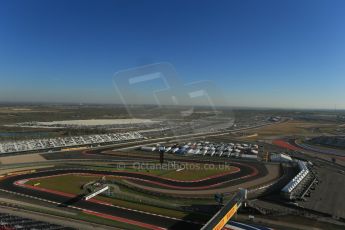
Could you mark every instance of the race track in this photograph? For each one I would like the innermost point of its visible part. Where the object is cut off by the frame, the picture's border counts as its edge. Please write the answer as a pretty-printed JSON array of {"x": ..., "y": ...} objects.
[{"x": 11, "y": 184}]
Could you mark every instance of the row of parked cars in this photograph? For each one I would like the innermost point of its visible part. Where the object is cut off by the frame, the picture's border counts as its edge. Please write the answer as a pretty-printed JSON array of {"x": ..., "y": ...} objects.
[
  {"x": 205, "y": 148},
  {"x": 61, "y": 142}
]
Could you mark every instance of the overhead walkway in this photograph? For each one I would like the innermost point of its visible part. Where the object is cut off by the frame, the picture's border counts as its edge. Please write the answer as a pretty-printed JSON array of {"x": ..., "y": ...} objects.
[{"x": 223, "y": 216}]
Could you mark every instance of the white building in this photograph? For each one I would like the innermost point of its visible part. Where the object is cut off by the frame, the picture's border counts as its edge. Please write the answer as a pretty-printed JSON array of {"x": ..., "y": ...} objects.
[{"x": 280, "y": 157}]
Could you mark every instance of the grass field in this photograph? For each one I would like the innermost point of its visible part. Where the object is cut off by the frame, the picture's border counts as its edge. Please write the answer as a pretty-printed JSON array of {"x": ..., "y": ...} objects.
[
  {"x": 73, "y": 184},
  {"x": 193, "y": 174},
  {"x": 192, "y": 171},
  {"x": 64, "y": 183}
]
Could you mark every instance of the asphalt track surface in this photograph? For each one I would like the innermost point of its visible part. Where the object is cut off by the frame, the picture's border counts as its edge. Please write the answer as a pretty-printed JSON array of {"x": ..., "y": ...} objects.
[
  {"x": 155, "y": 220},
  {"x": 249, "y": 170},
  {"x": 8, "y": 184},
  {"x": 323, "y": 150}
]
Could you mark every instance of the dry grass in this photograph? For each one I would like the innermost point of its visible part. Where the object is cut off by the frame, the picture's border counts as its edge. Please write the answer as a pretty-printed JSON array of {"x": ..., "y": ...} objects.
[
  {"x": 25, "y": 158},
  {"x": 293, "y": 127}
]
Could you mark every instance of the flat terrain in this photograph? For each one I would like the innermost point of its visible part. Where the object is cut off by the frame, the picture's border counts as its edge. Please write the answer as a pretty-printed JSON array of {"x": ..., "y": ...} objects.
[
  {"x": 93, "y": 122},
  {"x": 291, "y": 128},
  {"x": 328, "y": 197},
  {"x": 64, "y": 183},
  {"x": 108, "y": 209},
  {"x": 47, "y": 113},
  {"x": 187, "y": 174},
  {"x": 273, "y": 174},
  {"x": 73, "y": 183},
  {"x": 25, "y": 158}
]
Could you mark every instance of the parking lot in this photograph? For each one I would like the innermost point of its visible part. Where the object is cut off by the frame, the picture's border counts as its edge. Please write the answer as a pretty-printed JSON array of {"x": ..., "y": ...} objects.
[
  {"x": 53, "y": 143},
  {"x": 208, "y": 149},
  {"x": 328, "y": 195}
]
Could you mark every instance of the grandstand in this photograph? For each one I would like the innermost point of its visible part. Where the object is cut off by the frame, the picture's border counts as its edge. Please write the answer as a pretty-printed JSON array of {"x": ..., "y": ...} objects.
[
  {"x": 296, "y": 187},
  {"x": 63, "y": 142},
  {"x": 8, "y": 221}
]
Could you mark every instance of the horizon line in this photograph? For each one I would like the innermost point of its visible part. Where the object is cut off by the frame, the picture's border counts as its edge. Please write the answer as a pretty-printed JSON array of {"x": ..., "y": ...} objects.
[{"x": 2, "y": 103}]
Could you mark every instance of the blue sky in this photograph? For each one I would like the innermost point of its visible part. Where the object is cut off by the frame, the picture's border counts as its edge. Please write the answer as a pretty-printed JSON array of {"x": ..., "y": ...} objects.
[{"x": 288, "y": 54}]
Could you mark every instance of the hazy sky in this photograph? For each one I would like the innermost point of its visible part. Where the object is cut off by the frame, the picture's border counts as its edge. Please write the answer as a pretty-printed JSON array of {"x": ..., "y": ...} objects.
[{"x": 258, "y": 53}]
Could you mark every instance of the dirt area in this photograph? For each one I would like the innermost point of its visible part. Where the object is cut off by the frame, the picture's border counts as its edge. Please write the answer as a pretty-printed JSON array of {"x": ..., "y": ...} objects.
[
  {"x": 26, "y": 158},
  {"x": 292, "y": 127}
]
